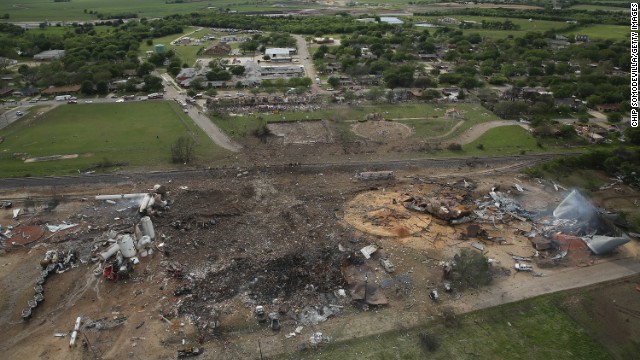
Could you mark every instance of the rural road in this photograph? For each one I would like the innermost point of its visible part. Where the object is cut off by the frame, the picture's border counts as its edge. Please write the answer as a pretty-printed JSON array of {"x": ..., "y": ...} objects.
[
  {"x": 214, "y": 132},
  {"x": 307, "y": 62}
]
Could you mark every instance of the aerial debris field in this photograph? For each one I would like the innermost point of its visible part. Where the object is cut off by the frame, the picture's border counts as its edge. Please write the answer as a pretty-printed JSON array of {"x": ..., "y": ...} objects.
[{"x": 270, "y": 263}]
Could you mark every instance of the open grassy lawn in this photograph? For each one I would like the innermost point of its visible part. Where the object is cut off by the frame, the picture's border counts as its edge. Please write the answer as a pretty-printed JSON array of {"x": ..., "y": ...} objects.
[
  {"x": 139, "y": 134},
  {"x": 513, "y": 140},
  {"x": 538, "y": 328},
  {"x": 187, "y": 53},
  {"x": 506, "y": 140},
  {"x": 426, "y": 120},
  {"x": 615, "y": 32}
]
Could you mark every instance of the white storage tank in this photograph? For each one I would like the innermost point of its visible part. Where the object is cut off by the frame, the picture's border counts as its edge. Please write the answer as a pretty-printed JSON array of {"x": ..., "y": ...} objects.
[
  {"x": 147, "y": 227},
  {"x": 127, "y": 247}
]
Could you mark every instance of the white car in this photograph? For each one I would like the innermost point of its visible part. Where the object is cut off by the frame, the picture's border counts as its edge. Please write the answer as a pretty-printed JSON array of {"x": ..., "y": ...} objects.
[
  {"x": 19, "y": 113},
  {"x": 88, "y": 101},
  {"x": 120, "y": 100},
  {"x": 523, "y": 267}
]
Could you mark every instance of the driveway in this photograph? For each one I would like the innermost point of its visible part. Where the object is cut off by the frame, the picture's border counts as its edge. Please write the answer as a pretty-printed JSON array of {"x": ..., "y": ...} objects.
[
  {"x": 307, "y": 62},
  {"x": 214, "y": 132}
]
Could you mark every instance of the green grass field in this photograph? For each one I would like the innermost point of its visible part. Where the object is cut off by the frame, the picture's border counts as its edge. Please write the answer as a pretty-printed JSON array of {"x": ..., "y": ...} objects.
[
  {"x": 426, "y": 120},
  {"x": 61, "y": 30},
  {"x": 533, "y": 329},
  {"x": 187, "y": 53},
  {"x": 506, "y": 140},
  {"x": 139, "y": 134},
  {"x": 615, "y": 32},
  {"x": 39, "y": 10},
  {"x": 598, "y": 7}
]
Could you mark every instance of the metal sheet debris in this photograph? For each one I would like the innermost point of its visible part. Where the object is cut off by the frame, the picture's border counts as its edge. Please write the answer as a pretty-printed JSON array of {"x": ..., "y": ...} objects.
[{"x": 368, "y": 250}]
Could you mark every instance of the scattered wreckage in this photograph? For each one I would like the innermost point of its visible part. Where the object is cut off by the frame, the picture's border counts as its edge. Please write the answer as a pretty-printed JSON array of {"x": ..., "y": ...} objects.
[{"x": 54, "y": 262}]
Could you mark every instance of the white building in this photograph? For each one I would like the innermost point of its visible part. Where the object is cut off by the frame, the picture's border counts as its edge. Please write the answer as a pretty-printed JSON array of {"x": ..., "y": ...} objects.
[{"x": 280, "y": 54}]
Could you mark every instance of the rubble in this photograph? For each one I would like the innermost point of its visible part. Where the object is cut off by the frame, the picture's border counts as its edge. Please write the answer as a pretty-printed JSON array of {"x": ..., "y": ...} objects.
[
  {"x": 445, "y": 208},
  {"x": 368, "y": 250},
  {"x": 54, "y": 261},
  {"x": 375, "y": 175},
  {"x": 305, "y": 268}
]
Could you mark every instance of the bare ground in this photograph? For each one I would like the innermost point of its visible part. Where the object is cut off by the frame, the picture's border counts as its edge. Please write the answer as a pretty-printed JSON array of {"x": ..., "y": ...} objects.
[{"x": 269, "y": 238}]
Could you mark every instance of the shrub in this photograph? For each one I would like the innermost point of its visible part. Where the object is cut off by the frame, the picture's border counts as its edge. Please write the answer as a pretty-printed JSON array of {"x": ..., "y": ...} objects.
[
  {"x": 182, "y": 150},
  {"x": 454, "y": 147},
  {"x": 429, "y": 342}
]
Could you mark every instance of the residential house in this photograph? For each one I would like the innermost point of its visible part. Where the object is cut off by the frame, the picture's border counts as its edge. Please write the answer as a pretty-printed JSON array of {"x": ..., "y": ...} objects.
[
  {"x": 4, "y": 92},
  {"x": 325, "y": 40},
  {"x": 221, "y": 48},
  {"x": 186, "y": 73},
  {"x": 7, "y": 61},
  {"x": 49, "y": 55},
  {"x": 29, "y": 91},
  {"x": 428, "y": 57},
  {"x": 607, "y": 107},
  {"x": 63, "y": 90}
]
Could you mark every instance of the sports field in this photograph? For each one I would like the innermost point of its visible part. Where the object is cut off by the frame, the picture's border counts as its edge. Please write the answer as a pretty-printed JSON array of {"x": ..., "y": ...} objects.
[{"x": 138, "y": 134}]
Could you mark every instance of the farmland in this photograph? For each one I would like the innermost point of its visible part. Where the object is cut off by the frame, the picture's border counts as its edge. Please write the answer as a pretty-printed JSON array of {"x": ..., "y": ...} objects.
[
  {"x": 39, "y": 10},
  {"x": 138, "y": 134}
]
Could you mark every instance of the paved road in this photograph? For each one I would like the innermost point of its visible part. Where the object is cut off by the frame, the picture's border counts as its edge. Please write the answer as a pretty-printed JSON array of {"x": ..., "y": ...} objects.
[
  {"x": 307, "y": 62},
  {"x": 214, "y": 132}
]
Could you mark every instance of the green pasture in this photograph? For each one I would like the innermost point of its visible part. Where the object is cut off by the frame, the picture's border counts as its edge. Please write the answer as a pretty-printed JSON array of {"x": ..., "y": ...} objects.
[
  {"x": 505, "y": 140},
  {"x": 61, "y": 30},
  {"x": 139, "y": 134},
  {"x": 614, "y": 32},
  {"x": 533, "y": 329},
  {"x": 187, "y": 53},
  {"x": 39, "y": 10},
  {"x": 598, "y": 7}
]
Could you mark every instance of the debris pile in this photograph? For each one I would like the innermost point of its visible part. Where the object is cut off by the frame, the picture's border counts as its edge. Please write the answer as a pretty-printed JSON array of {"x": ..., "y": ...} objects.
[
  {"x": 54, "y": 262},
  {"x": 443, "y": 207},
  {"x": 118, "y": 259}
]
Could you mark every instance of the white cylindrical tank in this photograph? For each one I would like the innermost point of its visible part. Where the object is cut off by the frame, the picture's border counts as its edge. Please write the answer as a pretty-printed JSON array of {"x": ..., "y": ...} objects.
[
  {"x": 127, "y": 247},
  {"x": 147, "y": 227},
  {"x": 145, "y": 202},
  {"x": 142, "y": 245},
  {"x": 109, "y": 252}
]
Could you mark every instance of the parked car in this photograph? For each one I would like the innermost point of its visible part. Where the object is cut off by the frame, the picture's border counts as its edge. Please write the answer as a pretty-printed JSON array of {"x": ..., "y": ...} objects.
[
  {"x": 19, "y": 113},
  {"x": 523, "y": 267},
  {"x": 71, "y": 102}
]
